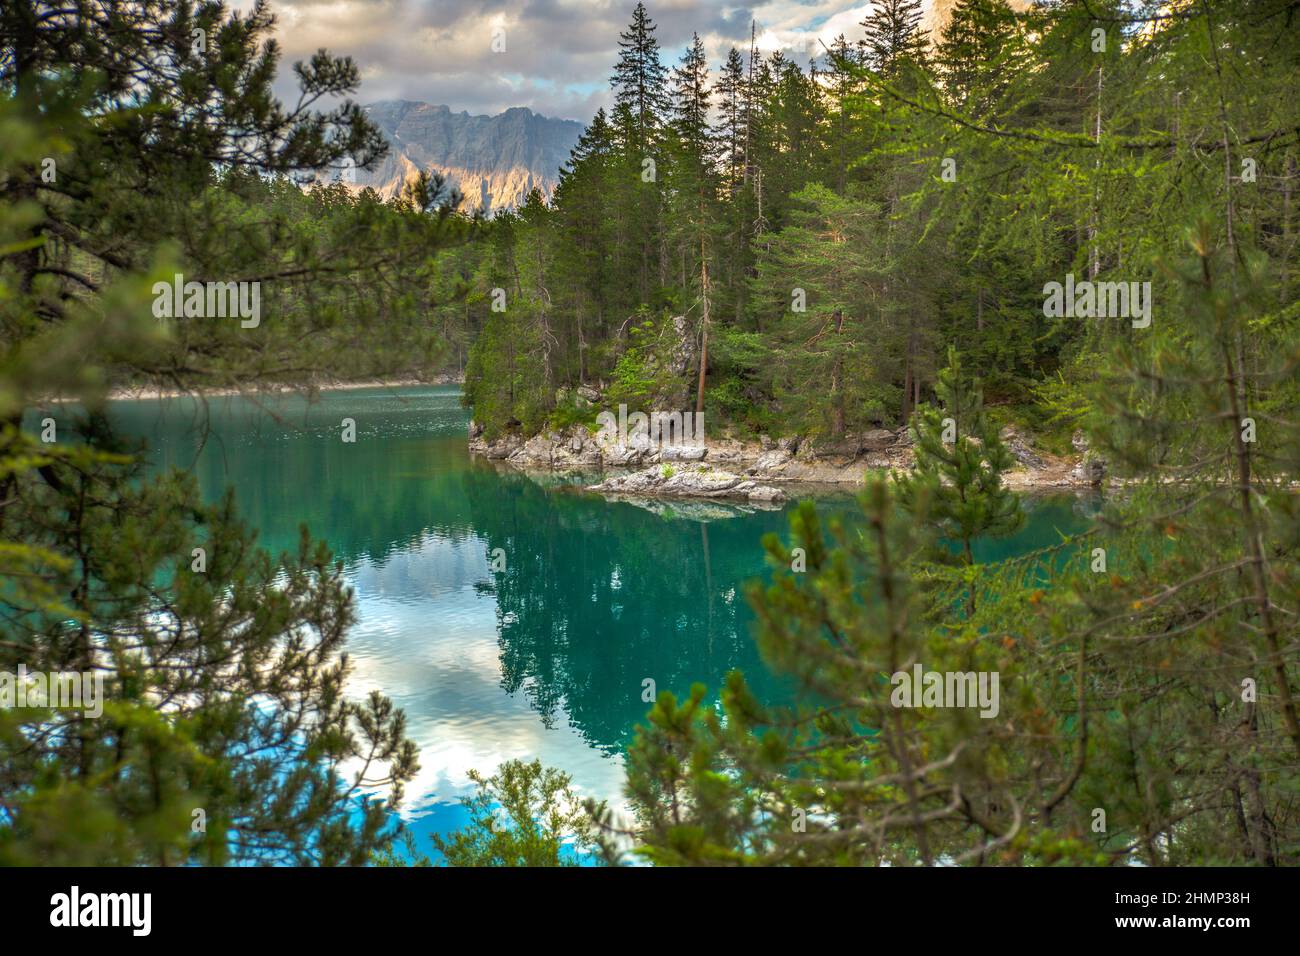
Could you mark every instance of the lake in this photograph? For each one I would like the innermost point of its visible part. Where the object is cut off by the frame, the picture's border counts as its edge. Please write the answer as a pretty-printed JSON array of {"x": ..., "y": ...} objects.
[{"x": 545, "y": 658}]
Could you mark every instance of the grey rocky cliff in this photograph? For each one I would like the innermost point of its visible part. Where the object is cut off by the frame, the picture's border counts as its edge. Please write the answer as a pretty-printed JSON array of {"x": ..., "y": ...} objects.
[{"x": 495, "y": 161}]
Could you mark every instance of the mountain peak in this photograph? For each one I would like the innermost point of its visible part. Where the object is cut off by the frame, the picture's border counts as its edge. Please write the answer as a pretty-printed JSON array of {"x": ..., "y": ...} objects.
[{"x": 495, "y": 161}]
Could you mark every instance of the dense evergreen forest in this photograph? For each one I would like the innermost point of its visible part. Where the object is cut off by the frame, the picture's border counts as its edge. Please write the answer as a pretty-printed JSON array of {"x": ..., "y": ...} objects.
[
  {"x": 831, "y": 222},
  {"x": 859, "y": 234}
]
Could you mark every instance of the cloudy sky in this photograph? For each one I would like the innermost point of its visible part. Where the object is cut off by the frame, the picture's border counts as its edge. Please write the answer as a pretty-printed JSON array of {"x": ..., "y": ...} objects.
[{"x": 558, "y": 53}]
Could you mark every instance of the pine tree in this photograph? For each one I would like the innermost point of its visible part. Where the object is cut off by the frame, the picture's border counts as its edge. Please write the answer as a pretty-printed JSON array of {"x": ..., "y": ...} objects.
[
  {"x": 816, "y": 283},
  {"x": 640, "y": 79},
  {"x": 730, "y": 132},
  {"x": 893, "y": 35},
  {"x": 960, "y": 459},
  {"x": 850, "y": 774},
  {"x": 586, "y": 235},
  {"x": 981, "y": 50},
  {"x": 223, "y": 676},
  {"x": 1201, "y": 554},
  {"x": 691, "y": 104},
  {"x": 841, "y": 91},
  {"x": 692, "y": 206},
  {"x": 542, "y": 820}
]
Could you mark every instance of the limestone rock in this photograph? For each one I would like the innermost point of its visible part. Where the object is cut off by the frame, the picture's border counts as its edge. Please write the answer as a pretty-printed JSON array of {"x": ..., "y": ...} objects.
[
  {"x": 1090, "y": 471},
  {"x": 683, "y": 453},
  {"x": 773, "y": 460},
  {"x": 696, "y": 482},
  {"x": 495, "y": 161}
]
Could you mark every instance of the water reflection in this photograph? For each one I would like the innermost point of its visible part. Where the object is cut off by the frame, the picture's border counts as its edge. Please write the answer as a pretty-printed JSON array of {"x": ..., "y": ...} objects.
[{"x": 545, "y": 658}]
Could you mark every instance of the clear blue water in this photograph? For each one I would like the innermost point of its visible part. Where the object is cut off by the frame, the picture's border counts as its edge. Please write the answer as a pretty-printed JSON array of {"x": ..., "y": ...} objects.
[{"x": 544, "y": 659}]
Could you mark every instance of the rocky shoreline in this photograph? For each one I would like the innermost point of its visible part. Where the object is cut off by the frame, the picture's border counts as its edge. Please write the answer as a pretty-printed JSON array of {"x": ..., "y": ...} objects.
[{"x": 756, "y": 472}]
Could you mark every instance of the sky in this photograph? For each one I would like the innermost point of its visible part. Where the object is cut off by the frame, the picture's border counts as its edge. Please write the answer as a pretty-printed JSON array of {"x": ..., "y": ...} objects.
[{"x": 558, "y": 54}]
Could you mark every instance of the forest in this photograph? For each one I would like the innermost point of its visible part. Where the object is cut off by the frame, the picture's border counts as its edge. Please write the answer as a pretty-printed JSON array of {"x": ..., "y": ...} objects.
[{"x": 868, "y": 232}]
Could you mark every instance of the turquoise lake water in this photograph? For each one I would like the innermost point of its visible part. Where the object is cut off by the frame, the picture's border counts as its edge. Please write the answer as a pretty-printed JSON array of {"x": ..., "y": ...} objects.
[{"x": 544, "y": 659}]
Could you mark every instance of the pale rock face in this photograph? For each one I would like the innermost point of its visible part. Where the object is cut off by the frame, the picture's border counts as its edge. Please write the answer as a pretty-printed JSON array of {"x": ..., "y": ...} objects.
[
  {"x": 494, "y": 160},
  {"x": 697, "y": 482}
]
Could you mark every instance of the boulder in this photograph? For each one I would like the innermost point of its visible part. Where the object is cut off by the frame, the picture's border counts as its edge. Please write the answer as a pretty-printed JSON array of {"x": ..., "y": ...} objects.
[
  {"x": 683, "y": 453},
  {"x": 773, "y": 460},
  {"x": 662, "y": 481},
  {"x": 504, "y": 447},
  {"x": 535, "y": 451},
  {"x": 626, "y": 456},
  {"x": 878, "y": 439},
  {"x": 766, "y": 493},
  {"x": 1090, "y": 471},
  {"x": 684, "y": 350},
  {"x": 846, "y": 447},
  {"x": 576, "y": 449}
]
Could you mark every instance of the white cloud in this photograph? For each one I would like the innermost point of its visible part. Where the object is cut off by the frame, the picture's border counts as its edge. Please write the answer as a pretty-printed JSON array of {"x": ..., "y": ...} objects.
[{"x": 559, "y": 53}]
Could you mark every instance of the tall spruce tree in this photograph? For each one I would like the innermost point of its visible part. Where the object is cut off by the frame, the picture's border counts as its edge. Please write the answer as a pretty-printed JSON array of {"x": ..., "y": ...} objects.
[
  {"x": 731, "y": 93},
  {"x": 893, "y": 35},
  {"x": 640, "y": 79},
  {"x": 979, "y": 53}
]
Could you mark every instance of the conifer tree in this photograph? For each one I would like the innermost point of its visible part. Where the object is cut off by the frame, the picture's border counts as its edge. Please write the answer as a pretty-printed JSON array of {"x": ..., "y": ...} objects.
[
  {"x": 817, "y": 283},
  {"x": 893, "y": 35},
  {"x": 980, "y": 51},
  {"x": 223, "y": 668},
  {"x": 1201, "y": 555},
  {"x": 960, "y": 459},
  {"x": 731, "y": 92},
  {"x": 691, "y": 104},
  {"x": 640, "y": 79},
  {"x": 543, "y": 825},
  {"x": 842, "y": 88}
]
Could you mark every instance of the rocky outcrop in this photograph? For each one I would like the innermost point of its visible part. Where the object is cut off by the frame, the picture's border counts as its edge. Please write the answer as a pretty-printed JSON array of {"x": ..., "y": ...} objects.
[
  {"x": 1019, "y": 448},
  {"x": 495, "y": 161},
  {"x": 1092, "y": 469},
  {"x": 699, "y": 481},
  {"x": 728, "y": 468}
]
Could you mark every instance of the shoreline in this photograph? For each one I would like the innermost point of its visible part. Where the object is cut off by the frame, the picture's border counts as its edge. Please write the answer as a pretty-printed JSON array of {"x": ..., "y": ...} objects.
[
  {"x": 128, "y": 393},
  {"x": 756, "y": 471}
]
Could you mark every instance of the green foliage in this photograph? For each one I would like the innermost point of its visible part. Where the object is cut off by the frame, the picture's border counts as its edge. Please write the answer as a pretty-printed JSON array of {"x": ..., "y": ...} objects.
[
  {"x": 642, "y": 377},
  {"x": 243, "y": 657},
  {"x": 1147, "y": 707},
  {"x": 844, "y": 776},
  {"x": 960, "y": 459},
  {"x": 224, "y": 684},
  {"x": 1063, "y": 159},
  {"x": 523, "y": 815}
]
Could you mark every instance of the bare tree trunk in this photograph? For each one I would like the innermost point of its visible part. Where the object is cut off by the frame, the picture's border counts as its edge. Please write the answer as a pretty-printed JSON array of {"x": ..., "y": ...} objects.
[
  {"x": 704, "y": 330},
  {"x": 1094, "y": 256},
  {"x": 837, "y": 382}
]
